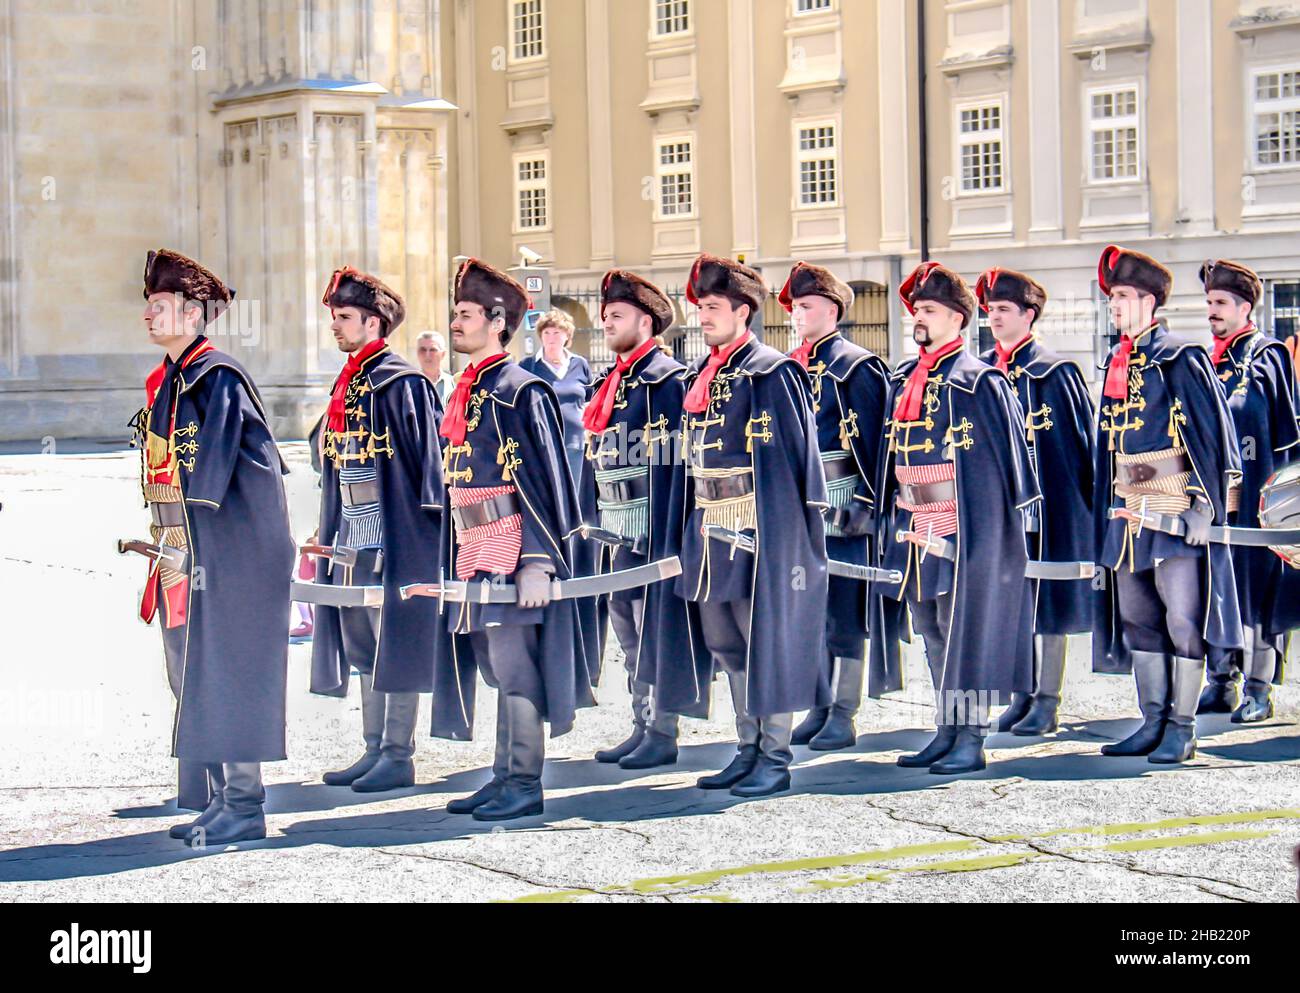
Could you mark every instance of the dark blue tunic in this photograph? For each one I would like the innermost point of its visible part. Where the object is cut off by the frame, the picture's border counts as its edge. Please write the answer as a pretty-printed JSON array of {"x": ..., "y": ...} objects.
[
  {"x": 1173, "y": 396},
  {"x": 1059, "y": 420}
]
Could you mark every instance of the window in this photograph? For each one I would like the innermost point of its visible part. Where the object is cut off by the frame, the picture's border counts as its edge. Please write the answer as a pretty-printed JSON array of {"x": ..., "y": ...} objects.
[
  {"x": 526, "y": 22},
  {"x": 675, "y": 171},
  {"x": 672, "y": 17},
  {"x": 1277, "y": 118},
  {"x": 1282, "y": 298},
  {"x": 1114, "y": 141},
  {"x": 817, "y": 156},
  {"x": 812, "y": 6},
  {"x": 532, "y": 193},
  {"x": 979, "y": 143}
]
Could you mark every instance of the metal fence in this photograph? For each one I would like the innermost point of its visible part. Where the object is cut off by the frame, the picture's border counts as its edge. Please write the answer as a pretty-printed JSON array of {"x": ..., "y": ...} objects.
[{"x": 867, "y": 324}]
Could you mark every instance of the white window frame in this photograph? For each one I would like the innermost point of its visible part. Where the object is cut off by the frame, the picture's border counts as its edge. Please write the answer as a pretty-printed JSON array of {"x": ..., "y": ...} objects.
[
  {"x": 662, "y": 170},
  {"x": 1279, "y": 106},
  {"x": 801, "y": 155},
  {"x": 512, "y": 29},
  {"x": 828, "y": 8},
  {"x": 519, "y": 186},
  {"x": 686, "y": 32},
  {"x": 1000, "y": 134},
  {"x": 1093, "y": 126}
]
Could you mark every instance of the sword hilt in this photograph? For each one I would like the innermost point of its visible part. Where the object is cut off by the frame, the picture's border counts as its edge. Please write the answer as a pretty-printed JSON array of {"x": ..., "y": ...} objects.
[{"x": 430, "y": 590}]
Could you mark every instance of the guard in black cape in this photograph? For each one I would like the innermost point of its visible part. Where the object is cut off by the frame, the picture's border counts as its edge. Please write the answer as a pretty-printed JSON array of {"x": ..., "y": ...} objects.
[
  {"x": 1258, "y": 379},
  {"x": 849, "y": 384},
  {"x": 513, "y": 504},
  {"x": 211, "y": 475},
  {"x": 752, "y": 468},
  {"x": 1058, "y": 421},
  {"x": 632, "y": 425},
  {"x": 382, "y": 503},
  {"x": 956, "y": 469},
  {"x": 1165, "y": 445}
]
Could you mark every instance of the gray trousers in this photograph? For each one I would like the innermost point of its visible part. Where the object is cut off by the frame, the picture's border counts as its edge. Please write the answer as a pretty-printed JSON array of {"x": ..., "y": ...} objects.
[
  {"x": 387, "y": 719},
  {"x": 1162, "y": 608},
  {"x": 238, "y": 785},
  {"x": 626, "y": 617},
  {"x": 726, "y": 633},
  {"x": 507, "y": 660},
  {"x": 932, "y": 620}
]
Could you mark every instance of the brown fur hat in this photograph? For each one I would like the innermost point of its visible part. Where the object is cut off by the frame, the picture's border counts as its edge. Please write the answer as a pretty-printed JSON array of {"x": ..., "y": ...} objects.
[
  {"x": 1125, "y": 267},
  {"x": 166, "y": 271},
  {"x": 350, "y": 288},
  {"x": 1009, "y": 286},
  {"x": 621, "y": 286},
  {"x": 1237, "y": 279},
  {"x": 493, "y": 290},
  {"x": 932, "y": 281},
  {"x": 807, "y": 280},
  {"x": 713, "y": 276}
]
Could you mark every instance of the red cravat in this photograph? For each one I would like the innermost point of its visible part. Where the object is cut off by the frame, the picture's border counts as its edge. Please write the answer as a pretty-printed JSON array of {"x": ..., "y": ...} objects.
[
  {"x": 1221, "y": 345},
  {"x": 596, "y": 417},
  {"x": 697, "y": 400},
  {"x": 338, "y": 415},
  {"x": 909, "y": 405},
  {"x": 803, "y": 354},
  {"x": 1004, "y": 354},
  {"x": 454, "y": 427},
  {"x": 1117, "y": 374}
]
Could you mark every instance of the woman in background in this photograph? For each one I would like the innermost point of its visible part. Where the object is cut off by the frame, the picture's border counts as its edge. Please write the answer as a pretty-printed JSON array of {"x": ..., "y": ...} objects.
[{"x": 568, "y": 374}]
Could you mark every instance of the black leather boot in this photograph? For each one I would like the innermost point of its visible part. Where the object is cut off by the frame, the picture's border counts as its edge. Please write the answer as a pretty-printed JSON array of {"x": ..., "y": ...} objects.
[
  {"x": 515, "y": 799},
  {"x": 386, "y": 774},
  {"x": 395, "y": 769},
  {"x": 615, "y": 755},
  {"x": 656, "y": 750},
  {"x": 838, "y": 732},
  {"x": 241, "y": 817},
  {"x": 1041, "y": 718},
  {"x": 471, "y": 803},
  {"x": 372, "y": 732},
  {"x": 966, "y": 754},
  {"x": 217, "y": 780},
  {"x": 1151, "y": 673},
  {"x": 939, "y": 746},
  {"x": 768, "y": 776},
  {"x": 520, "y": 794},
  {"x": 1257, "y": 701},
  {"x": 739, "y": 767},
  {"x": 810, "y": 726},
  {"x": 1220, "y": 695},
  {"x": 1015, "y": 713},
  {"x": 1179, "y": 742}
]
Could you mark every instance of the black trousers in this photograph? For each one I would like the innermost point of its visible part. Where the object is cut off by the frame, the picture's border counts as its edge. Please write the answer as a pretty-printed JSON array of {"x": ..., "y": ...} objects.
[{"x": 1162, "y": 609}]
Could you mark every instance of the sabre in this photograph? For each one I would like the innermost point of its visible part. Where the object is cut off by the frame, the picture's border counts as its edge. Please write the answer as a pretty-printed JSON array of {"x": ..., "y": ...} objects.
[
  {"x": 173, "y": 558},
  {"x": 601, "y": 536},
  {"x": 1177, "y": 527},
  {"x": 844, "y": 570},
  {"x": 1045, "y": 571},
  {"x": 487, "y": 591}
]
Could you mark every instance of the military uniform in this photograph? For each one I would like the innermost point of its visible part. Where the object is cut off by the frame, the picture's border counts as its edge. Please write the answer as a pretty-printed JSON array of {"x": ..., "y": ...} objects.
[
  {"x": 512, "y": 504},
  {"x": 956, "y": 467},
  {"x": 849, "y": 384},
  {"x": 1058, "y": 422},
  {"x": 1165, "y": 445},
  {"x": 752, "y": 467},
  {"x": 625, "y": 488},
  {"x": 382, "y": 502},
  {"x": 1258, "y": 379},
  {"x": 212, "y": 477}
]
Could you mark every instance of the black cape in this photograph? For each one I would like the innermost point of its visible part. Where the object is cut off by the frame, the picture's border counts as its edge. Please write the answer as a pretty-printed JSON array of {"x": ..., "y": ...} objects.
[
  {"x": 526, "y": 409},
  {"x": 1216, "y": 462},
  {"x": 404, "y": 416},
  {"x": 991, "y": 641},
  {"x": 232, "y": 701},
  {"x": 789, "y": 571}
]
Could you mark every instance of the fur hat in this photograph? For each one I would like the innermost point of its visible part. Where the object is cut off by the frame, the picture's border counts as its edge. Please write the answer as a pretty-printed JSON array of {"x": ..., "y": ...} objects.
[
  {"x": 1233, "y": 277},
  {"x": 497, "y": 293},
  {"x": 1009, "y": 286},
  {"x": 1125, "y": 267},
  {"x": 807, "y": 280},
  {"x": 713, "y": 276},
  {"x": 621, "y": 286},
  {"x": 166, "y": 271},
  {"x": 350, "y": 288},
  {"x": 932, "y": 281}
]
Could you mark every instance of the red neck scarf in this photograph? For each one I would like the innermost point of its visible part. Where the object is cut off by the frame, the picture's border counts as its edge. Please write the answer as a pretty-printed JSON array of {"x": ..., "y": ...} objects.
[
  {"x": 1221, "y": 345},
  {"x": 803, "y": 354},
  {"x": 697, "y": 400},
  {"x": 909, "y": 405},
  {"x": 454, "y": 427},
  {"x": 155, "y": 379},
  {"x": 1004, "y": 354},
  {"x": 601, "y": 409},
  {"x": 1117, "y": 374},
  {"x": 338, "y": 413}
]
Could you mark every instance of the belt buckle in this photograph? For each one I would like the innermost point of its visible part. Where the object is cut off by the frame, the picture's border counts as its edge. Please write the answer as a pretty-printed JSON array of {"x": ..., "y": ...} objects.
[{"x": 1142, "y": 472}]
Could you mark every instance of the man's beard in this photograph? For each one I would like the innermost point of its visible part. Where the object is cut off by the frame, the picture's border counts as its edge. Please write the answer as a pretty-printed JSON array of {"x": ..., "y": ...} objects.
[{"x": 923, "y": 337}]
